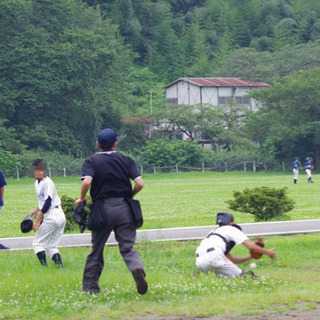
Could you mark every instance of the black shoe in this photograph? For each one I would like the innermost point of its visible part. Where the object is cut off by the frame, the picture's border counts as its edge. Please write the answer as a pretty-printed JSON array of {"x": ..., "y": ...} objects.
[
  {"x": 139, "y": 277},
  {"x": 2, "y": 247},
  {"x": 57, "y": 260},
  {"x": 249, "y": 273},
  {"x": 90, "y": 292}
]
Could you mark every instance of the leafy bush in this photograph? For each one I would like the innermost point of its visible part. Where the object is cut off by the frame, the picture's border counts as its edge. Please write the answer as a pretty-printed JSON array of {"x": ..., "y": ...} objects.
[
  {"x": 263, "y": 202},
  {"x": 162, "y": 152},
  {"x": 67, "y": 204},
  {"x": 8, "y": 161}
]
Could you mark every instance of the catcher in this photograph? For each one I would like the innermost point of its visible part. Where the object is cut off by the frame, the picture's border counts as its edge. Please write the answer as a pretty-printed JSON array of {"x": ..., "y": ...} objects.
[{"x": 213, "y": 252}]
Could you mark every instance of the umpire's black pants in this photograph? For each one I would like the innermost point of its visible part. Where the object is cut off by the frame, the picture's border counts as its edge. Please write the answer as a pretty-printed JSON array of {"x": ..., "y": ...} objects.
[{"x": 117, "y": 217}]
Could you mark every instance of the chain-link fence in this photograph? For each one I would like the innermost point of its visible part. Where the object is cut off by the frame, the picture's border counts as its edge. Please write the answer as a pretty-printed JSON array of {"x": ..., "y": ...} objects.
[{"x": 245, "y": 166}]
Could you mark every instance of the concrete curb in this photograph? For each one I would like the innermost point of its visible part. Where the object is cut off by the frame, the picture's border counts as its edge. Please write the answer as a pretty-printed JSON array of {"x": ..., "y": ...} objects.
[{"x": 178, "y": 234}]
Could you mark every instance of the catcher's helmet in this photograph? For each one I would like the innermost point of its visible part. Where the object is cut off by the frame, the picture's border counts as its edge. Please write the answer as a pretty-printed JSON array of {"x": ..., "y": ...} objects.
[
  {"x": 224, "y": 217},
  {"x": 26, "y": 224}
]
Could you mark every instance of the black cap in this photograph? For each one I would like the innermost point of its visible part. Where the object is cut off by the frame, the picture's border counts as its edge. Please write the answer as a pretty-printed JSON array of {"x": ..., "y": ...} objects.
[{"x": 224, "y": 217}]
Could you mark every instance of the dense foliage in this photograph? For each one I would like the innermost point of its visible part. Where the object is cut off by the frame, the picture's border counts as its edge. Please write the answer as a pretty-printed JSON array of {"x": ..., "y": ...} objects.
[{"x": 69, "y": 68}]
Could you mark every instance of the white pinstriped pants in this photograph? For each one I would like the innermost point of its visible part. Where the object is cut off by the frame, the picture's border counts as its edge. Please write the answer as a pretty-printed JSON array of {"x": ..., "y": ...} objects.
[
  {"x": 217, "y": 261},
  {"x": 50, "y": 232}
]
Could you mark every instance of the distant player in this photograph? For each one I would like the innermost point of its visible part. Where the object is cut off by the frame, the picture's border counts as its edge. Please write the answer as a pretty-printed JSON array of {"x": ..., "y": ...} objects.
[
  {"x": 50, "y": 219},
  {"x": 309, "y": 167},
  {"x": 295, "y": 168}
]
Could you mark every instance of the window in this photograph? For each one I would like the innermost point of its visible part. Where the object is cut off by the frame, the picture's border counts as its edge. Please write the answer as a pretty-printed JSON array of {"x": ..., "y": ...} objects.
[
  {"x": 241, "y": 100},
  {"x": 172, "y": 100},
  {"x": 223, "y": 100}
]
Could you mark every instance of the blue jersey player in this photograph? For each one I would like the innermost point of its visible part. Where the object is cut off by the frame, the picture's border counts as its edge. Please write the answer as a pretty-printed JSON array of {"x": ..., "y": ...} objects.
[
  {"x": 295, "y": 168},
  {"x": 309, "y": 167}
]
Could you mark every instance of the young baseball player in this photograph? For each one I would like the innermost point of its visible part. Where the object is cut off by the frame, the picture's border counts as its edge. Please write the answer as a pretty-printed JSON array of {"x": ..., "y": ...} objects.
[
  {"x": 50, "y": 219},
  {"x": 295, "y": 168},
  {"x": 214, "y": 250},
  {"x": 308, "y": 167}
]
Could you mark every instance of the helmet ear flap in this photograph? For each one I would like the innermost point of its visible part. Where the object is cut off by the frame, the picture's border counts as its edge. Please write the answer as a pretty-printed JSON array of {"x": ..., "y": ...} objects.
[{"x": 224, "y": 217}]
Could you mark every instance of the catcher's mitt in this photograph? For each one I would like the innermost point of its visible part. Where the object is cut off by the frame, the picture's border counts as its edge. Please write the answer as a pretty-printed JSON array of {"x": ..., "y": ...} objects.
[
  {"x": 259, "y": 242},
  {"x": 26, "y": 224},
  {"x": 80, "y": 216}
]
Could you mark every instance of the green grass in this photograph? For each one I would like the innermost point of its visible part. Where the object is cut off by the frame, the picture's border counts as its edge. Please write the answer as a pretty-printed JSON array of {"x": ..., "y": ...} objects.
[
  {"x": 168, "y": 200},
  {"x": 175, "y": 199},
  {"x": 175, "y": 288}
]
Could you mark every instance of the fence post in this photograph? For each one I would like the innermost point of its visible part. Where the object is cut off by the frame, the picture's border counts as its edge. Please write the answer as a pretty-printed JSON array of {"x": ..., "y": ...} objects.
[
  {"x": 254, "y": 166},
  {"x": 265, "y": 166},
  {"x": 18, "y": 177},
  {"x": 141, "y": 169},
  {"x": 177, "y": 169},
  {"x": 202, "y": 166},
  {"x": 64, "y": 172},
  {"x": 244, "y": 166},
  {"x": 49, "y": 169},
  {"x": 226, "y": 166},
  {"x": 154, "y": 170},
  {"x": 283, "y": 167}
]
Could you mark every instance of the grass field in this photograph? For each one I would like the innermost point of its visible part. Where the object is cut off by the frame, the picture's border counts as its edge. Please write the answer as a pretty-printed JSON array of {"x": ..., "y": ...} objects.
[
  {"x": 176, "y": 199},
  {"x": 28, "y": 291}
]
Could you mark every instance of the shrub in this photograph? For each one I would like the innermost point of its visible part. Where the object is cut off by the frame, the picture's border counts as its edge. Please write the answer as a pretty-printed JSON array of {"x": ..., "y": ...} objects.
[
  {"x": 264, "y": 202},
  {"x": 67, "y": 204}
]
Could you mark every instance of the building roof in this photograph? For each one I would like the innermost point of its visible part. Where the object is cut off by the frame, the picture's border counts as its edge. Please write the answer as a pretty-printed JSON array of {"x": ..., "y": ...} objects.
[{"x": 220, "y": 82}]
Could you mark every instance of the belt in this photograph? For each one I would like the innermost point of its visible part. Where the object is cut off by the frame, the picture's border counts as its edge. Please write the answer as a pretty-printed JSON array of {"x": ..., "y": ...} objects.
[
  {"x": 208, "y": 250},
  {"x": 116, "y": 199}
]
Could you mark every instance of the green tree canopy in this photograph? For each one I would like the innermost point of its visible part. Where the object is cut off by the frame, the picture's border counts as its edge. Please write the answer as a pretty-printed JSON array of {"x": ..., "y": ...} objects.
[
  {"x": 62, "y": 74},
  {"x": 290, "y": 117}
]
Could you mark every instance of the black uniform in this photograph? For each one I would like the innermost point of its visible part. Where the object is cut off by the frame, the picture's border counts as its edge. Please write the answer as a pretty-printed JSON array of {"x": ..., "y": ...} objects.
[{"x": 111, "y": 186}]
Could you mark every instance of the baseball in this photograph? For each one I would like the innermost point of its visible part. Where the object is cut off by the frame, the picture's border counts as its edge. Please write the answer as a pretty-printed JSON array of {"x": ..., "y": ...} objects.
[{"x": 253, "y": 265}]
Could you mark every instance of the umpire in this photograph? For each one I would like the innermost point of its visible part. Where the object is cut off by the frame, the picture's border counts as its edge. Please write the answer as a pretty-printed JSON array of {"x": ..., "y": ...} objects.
[{"x": 107, "y": 174}]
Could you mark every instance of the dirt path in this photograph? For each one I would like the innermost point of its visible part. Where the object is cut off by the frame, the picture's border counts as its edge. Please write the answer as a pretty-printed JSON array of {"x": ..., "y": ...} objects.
[{"x": 313, "y": 314}]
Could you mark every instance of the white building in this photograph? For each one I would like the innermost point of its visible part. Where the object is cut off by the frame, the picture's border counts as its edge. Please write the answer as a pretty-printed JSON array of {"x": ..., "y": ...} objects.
[{"x": 214, "y": 91}]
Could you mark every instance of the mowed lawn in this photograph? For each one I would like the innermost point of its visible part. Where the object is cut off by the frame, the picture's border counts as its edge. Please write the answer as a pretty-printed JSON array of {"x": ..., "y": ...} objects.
[
  {"x": 28, "y": 291},
  {"x": 175, "y": 199}
]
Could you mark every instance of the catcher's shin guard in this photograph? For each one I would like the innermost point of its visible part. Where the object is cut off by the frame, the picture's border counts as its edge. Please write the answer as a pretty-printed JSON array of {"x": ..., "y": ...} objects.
[
  {"x": 42, "y": 258},
  {"x": 57, "y": 260}
]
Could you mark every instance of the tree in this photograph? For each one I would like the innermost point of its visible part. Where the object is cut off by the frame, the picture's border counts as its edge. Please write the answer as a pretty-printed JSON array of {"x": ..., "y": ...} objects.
[
  {"x": 290, "y": 115},
  {"x": 63, "y": 74},
  {"x": 221, "y": 126}
]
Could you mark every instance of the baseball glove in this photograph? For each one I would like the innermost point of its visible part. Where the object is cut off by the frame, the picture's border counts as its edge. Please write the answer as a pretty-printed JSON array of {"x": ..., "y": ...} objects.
[
  {"x": 80, "y": 216},
  {"x": 26, "y": 224},
  {"x": 259, "y": 242}
]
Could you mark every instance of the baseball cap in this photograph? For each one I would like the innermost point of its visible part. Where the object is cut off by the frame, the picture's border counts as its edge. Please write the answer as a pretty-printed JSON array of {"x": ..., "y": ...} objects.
[{"x": 107, "y": 138}]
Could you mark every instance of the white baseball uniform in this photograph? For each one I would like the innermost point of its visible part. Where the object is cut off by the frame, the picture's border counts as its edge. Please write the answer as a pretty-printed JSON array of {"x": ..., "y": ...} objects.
[
  {"x": 211, "y": 251},
  {"x": 51, "y": 230}
]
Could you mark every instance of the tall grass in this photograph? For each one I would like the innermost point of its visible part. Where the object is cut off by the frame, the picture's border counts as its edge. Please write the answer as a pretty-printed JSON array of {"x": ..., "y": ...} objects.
[
  {"x": 175, "y": 199},
  {"x": 29, "y": 291}
]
